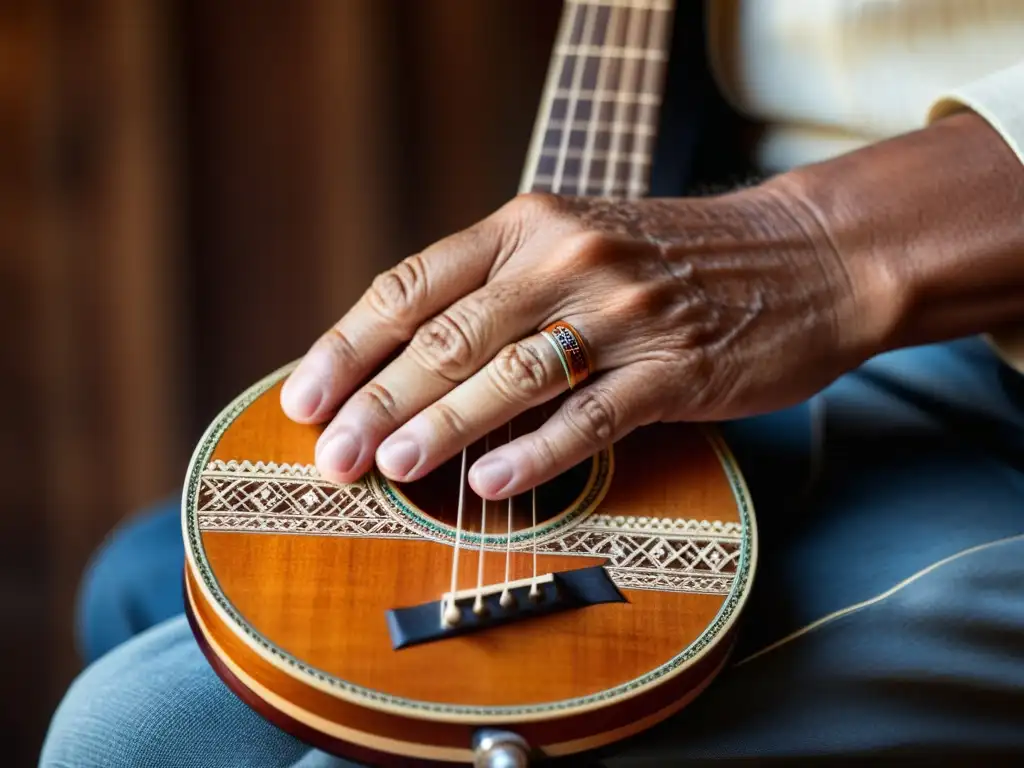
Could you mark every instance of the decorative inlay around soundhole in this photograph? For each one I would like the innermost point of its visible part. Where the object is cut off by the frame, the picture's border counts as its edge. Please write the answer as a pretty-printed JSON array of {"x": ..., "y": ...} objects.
[
  {"x": 664, "y": 554},
  {"x": 431, "y": 505}
]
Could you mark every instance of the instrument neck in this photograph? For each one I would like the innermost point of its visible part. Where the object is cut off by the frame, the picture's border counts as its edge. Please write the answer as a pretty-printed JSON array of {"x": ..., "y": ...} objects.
[{"x": 597, "y": 125}]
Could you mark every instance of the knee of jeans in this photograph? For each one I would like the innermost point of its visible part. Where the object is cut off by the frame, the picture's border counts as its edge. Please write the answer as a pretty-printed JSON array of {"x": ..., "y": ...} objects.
[
  {"x": 155, "y": 701},
  {"x": 105, "y": 713},
  {"x": 131, "y": 582}
]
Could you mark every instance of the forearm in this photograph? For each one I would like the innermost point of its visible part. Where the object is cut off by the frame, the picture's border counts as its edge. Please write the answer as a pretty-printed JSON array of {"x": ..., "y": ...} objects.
[{"x": 929, "y": 227}]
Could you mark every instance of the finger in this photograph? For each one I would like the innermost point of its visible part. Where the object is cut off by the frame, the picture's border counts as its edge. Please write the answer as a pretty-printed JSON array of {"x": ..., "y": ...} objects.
[
  {"x": 386, "y": 315},
  {"x": 444, "y": 352},
  {"x": 521, "y": 376},
  {"x": 590, "y": 419}
]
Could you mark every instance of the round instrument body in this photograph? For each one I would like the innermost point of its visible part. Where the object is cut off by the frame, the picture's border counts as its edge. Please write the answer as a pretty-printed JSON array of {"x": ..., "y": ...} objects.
[{"x": 289, "y": 579}]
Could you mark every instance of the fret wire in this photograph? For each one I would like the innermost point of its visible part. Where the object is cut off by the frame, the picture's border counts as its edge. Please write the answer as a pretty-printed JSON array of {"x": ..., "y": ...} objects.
[
  {"x": 602, "y": 156},
  {"x": 644, "y": 128},
  {"x": 602, "y": 142},
  {"x": 588, "y": 25},
  {"x": 640, "y": 129},
  {"x": 613, "y": 52},
  {"x": 545, "y": 181},
  {"x": 653, "y": 99},
  {"x": 598, "y": 168},
  {"x": 635, "y": 4}
]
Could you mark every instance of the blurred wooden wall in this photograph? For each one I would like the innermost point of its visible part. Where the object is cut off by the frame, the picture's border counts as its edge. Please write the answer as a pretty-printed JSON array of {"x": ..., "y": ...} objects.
[
  {"x": 189, "y": 193},
  {"x": 333, "y": 139}
]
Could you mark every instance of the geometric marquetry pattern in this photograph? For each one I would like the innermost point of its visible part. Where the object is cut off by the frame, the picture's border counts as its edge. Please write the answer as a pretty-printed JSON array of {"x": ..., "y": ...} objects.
[
  {"x": 663, "y": 554},
  {"x": 286, "y": 498}
]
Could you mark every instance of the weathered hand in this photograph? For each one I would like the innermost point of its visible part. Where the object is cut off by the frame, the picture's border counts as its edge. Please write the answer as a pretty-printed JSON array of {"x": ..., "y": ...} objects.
[{"x": 693, "y": 309}]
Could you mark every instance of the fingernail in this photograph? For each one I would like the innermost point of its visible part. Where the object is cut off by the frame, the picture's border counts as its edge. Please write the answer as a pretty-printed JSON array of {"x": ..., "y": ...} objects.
[
  {"x": 302, "y": 393},
  {"x": 398, "y": 459},
  {"x": 490, "y": 476},
  {"x": 339, "y": 453}
]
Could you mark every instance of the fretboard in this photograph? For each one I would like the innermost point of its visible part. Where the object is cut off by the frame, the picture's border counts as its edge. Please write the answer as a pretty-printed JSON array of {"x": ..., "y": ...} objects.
[{"x": 597, "y": 125}]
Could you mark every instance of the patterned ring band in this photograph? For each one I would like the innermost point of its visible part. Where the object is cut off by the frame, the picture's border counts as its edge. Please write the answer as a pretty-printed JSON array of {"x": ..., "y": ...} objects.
[{"x": 571, "y": 349}]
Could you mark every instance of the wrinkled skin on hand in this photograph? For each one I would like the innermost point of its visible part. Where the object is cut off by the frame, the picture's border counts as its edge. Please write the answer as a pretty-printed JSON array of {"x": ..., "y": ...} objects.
[{"x": 692, "y": 309}]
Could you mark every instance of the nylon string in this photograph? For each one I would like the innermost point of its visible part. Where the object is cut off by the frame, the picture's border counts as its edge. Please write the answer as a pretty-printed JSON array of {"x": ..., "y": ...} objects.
[
  {"x": 478, "y": 604},
  {"x": 451, "y": 613},
  {"x": 506, "y": 597}
]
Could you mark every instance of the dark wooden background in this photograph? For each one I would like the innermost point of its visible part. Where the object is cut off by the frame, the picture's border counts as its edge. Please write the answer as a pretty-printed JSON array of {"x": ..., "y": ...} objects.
[{"x": 189, "y": 192}]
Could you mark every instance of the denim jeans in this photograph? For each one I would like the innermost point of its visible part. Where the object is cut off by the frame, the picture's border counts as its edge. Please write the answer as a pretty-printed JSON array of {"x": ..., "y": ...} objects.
[{"x": 886, "y": 623}]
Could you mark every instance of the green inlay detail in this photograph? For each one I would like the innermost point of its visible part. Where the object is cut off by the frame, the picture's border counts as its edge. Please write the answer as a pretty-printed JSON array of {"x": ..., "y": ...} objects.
[{"x": 597, "y": 484}]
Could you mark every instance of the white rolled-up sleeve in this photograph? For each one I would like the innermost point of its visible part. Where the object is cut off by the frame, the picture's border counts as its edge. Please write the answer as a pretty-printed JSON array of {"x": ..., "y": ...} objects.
[{"x": 999, "y": 99}]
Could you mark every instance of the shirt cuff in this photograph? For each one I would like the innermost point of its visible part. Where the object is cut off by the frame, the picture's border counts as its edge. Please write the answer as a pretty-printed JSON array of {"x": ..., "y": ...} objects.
[{"x": 999, "y": 99}]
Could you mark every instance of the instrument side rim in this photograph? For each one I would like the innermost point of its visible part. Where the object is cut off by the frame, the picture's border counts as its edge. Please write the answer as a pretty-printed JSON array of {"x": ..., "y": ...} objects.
[
  {"x": 718, "y": 631},
  {"x": 390, "y": 737}
]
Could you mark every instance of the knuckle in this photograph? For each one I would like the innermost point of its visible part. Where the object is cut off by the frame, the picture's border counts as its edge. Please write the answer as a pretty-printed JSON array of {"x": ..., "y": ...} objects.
[
  {"x": 518, "y": 372},
  {"x": 343, "y": 351},
  {"x": 593, "y": 415},
  {"x": 449, "y": 419},
  {"x": 643, "y": 300},
  {"x": 585, "y": 251},
  {"x": 520, "y": 219},
  {"x": 544, "y": 450},
  {"x": 396, "y": 293},
  {"x": 378, "y": 401},
  {"x": 448, "y": 343},
  {"x": 530, "y": 206}
]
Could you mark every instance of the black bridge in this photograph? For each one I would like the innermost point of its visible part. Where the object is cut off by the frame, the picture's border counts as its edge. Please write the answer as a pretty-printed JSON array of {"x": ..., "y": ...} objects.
[{"x": 481, "y": 610}]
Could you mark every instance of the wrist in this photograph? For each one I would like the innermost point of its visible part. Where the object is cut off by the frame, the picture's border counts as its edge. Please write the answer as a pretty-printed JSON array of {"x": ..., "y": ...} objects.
[
  {"x": 863, "y": 295},
  {"x": 925, "y": 228}
]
